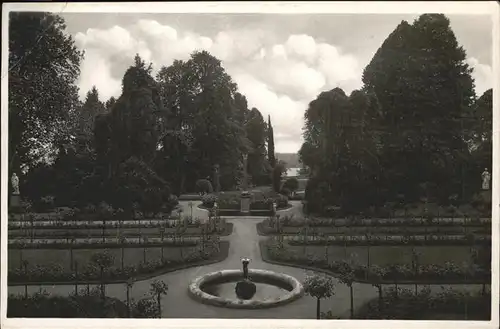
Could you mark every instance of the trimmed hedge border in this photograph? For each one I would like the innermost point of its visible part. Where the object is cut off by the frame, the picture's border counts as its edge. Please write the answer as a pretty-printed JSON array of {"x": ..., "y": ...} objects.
[
  {"x": 228, "y": 230},
  {"x": 266, "y": 259},
  {"x": 112, "y": 245},
  {"x": 264, "y": 230},
  {"x": 196, "y": 293},
  {"x": 222, "y": 255}
]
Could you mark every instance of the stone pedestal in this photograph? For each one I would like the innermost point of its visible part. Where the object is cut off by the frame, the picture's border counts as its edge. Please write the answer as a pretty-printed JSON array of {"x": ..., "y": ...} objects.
[
  {"x": 245, "y": 203},
  {"x": 15, "y": 202}
]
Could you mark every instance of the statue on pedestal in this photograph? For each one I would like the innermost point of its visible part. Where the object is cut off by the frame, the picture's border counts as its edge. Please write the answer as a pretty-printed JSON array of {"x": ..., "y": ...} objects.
[
  {"x": 15, "y": 184},
  {"x": 486, "y": 176}
]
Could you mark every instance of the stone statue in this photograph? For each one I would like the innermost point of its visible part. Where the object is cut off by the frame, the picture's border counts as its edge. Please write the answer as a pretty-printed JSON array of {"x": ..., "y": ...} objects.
[
  {"x": 15, "y": 184},
  {"x": 486, "y": 176}
]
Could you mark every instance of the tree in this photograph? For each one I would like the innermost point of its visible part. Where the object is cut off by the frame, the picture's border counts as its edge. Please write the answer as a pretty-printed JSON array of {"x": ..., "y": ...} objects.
[
  {"x": 419, "y": 76},
  {"x": 39, "y": 51},
  {"x": 103, "y": 260},
  {"x": 278, "y": 171},
  {"x": 270, "y": 143},
  {"x": 257, "y": 165},
  {"x": 319, "y": 287},
  {"x": 203, "y": 103},
  {"x": 291, "y": 184},
  {"x": 377, "y": 273},
  {"x": 159, "y": 288},
  {"x": 130, "y": 284},
  {"x": 347, "y": 277},
  {"x": 86, "y": 114}
]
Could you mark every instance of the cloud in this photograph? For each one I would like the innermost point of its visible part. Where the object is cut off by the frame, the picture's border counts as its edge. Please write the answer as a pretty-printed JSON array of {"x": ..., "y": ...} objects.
[
  {"x": 278, "y": 75},
  {"x": 482, "y": 74}
]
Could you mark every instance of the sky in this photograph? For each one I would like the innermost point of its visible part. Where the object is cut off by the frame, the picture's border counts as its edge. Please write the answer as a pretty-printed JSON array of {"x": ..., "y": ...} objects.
[{"x": 279, "y": 62}]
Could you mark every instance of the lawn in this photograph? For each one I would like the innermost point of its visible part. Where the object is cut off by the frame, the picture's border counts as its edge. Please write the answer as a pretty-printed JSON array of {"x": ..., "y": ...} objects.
[
  {"x": 132, "y": 256},
  {"x": 386, "y": 255}
]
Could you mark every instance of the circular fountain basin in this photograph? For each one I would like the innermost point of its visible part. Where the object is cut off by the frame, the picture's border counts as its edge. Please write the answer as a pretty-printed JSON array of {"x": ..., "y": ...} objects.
[{"x": 273, "y": 289}]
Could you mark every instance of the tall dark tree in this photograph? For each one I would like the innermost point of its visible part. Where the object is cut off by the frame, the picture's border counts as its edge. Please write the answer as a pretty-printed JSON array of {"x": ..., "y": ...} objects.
[
  {"x": 271, "y": 156},
  {"x": 203, "y": 103},
  {"x": 424, "y": 86},
  {"x": 44, "y": 65},
  {"x": 258, "y": 166},
  {"x": 86, "y": 115}
]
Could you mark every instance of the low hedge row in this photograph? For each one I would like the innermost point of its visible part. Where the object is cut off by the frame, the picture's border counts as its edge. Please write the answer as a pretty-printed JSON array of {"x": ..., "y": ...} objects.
[
  {"x": 91, "y": 273},
  {"x": 98, "y": 244},
  {"x": 263, "y": 228},
  {"x": 291, "y": 221},
  {"x": 374, "y": 240}
]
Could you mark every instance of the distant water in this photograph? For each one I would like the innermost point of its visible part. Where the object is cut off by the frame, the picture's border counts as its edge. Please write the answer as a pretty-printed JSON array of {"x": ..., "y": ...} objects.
[{"x": 292, "y": 172}]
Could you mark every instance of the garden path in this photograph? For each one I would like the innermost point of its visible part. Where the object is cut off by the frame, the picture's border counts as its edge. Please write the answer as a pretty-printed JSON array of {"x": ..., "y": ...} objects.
[{"x": 244, "y": 242}]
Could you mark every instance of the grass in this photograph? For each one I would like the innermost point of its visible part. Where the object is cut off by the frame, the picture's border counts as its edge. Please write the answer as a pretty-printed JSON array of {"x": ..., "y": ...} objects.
[{"x": 132, "y": 256}]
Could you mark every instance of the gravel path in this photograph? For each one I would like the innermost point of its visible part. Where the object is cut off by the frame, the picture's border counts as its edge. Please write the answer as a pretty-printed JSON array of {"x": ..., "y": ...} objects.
[{"x": 244, "y": 242}]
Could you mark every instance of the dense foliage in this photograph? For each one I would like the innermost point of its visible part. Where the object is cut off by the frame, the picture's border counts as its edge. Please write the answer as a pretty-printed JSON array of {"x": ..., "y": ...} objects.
[{"x": 415, "y": 132}]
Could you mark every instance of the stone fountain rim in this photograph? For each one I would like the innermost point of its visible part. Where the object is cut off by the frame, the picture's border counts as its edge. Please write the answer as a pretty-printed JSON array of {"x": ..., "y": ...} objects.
[{"x": 196, "y": 293}]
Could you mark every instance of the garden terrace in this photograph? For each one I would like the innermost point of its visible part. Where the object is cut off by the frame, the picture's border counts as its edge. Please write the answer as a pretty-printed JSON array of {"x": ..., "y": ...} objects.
[
  {"x": 400, "y": 264},
  {"x": 58, "y": 266}
]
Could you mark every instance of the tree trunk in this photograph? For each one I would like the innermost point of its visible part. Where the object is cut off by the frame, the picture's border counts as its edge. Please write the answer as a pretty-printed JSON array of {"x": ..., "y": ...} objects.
[
  {"x": 128, "y": 300},
  {"x": 159, "y": 305},
  {"x": 352, "y": 301},
  {"x": 71, "y": 257},
  {"x": 21, "y": 259},
  {"x": 25, "y": 286},
  {"x": 103, "y": 293},
  {"x": 318, "y": 308},
  {"x": 162, "y": 253},
  {"x": 380, "y": 297},
  {"x": 76, "y": 279},
  {"x": 123, "y": 256},
  {"x": 144, "y": 255}
]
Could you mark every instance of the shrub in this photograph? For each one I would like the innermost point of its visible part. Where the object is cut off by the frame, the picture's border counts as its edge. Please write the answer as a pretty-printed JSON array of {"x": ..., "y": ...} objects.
[
  {"x": 208, "y": 200},
  {"x": 204, "y": 186}
]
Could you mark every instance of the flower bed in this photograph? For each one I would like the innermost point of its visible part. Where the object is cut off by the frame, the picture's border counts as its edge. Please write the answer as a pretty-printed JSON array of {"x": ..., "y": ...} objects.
[
  {"x": 55, "y": 273},
  {"x": 402, "y": 273}
]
